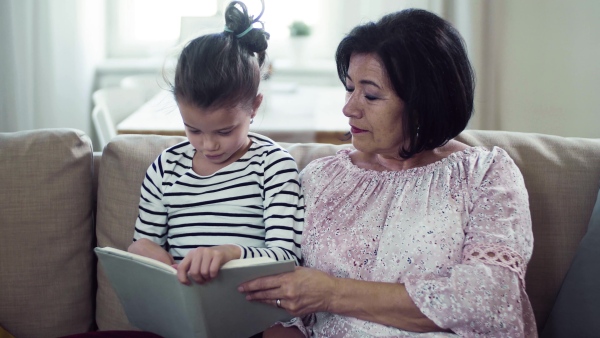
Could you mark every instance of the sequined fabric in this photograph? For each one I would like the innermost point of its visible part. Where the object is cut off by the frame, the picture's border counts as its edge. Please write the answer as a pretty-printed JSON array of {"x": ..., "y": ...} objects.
[{"x": 457, "y": 233}]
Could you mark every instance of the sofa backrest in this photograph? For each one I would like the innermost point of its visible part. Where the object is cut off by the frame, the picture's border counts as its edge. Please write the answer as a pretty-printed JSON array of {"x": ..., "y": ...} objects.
[
  {"x": 47, "y": 280},
  {"x": 561, "y": 175}
]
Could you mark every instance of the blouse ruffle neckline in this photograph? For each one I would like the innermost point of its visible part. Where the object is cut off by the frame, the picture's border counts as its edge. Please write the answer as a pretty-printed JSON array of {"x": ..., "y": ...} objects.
[{"x": 346, "y": 161}]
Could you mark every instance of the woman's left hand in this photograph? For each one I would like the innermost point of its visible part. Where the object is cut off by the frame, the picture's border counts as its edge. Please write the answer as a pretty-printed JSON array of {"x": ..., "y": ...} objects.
[{"x": 300, "y": 292}]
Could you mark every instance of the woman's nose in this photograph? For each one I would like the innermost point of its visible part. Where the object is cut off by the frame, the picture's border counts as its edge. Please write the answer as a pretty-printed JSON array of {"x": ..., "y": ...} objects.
[{"x": 351, "y": 108}]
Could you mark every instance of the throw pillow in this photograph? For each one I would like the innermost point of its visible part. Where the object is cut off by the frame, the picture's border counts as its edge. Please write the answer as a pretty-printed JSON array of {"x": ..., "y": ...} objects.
[{"x": 576, "y": 312}]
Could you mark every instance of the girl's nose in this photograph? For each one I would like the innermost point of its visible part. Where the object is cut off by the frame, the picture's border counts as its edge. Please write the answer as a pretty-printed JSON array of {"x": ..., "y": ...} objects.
[{"x": 210, "y": 143}]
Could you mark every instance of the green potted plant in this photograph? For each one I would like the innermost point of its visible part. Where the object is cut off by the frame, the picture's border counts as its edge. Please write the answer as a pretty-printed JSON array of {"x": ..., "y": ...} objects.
[
  {"x": 299, "y": 33},
  {"x": 299, "y": 28}
]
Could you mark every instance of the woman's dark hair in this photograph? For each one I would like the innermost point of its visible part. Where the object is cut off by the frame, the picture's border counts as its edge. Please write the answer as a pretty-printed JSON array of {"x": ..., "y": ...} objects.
[
  {"x": 427, "y": 64},
  {"x": 223, "y": 69}
]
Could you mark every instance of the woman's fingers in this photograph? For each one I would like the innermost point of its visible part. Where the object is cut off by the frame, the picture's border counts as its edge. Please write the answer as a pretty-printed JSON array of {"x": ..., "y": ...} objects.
[
  {"x": 263, "y": 283},
  {"x": 300, "y": 292}
]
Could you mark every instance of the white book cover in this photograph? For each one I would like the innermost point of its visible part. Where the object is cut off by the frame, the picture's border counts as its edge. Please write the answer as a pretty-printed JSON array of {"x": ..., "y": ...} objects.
[{"x": 154, "y": 300}]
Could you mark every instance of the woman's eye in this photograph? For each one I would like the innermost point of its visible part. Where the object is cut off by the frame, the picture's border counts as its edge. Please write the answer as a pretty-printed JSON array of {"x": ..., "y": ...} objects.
[
  {"x": 224, "y": 133},
  {"x": 370, "y": 97},
  {"x": 349, "y": 89}
]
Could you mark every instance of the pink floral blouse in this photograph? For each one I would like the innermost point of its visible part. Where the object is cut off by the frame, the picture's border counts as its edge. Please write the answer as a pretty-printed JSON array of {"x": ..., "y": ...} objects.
[{"x": 457, "y": 233}]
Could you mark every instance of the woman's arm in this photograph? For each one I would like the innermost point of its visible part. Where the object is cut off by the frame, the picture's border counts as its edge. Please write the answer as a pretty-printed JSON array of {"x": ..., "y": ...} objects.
[{"x": 307, "y": 291}]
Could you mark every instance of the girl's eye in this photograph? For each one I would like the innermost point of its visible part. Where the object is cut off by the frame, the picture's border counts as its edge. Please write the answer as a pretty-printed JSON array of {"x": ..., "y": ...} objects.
[
  {"x": 224, "y": 133},
  {"x": 195, "y": 132}
]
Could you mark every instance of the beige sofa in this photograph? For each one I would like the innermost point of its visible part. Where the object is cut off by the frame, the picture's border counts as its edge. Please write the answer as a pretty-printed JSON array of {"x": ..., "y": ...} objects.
[{"x": 58, "y": 200}]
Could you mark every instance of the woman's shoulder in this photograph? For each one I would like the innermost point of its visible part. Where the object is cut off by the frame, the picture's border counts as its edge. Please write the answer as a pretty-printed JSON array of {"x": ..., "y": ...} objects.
[{"x": 339, "y": 161}]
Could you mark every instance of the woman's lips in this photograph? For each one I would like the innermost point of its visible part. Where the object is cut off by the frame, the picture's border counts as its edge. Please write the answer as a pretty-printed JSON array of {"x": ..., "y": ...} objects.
[{"x": 355, "y": 130}]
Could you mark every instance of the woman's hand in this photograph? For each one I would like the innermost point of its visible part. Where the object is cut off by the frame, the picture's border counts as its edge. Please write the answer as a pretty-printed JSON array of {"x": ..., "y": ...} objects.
[
  {"x": 307, "y": 290},
  {"x": 300, "y": 292},
  {"x": 203, "y": 264}
]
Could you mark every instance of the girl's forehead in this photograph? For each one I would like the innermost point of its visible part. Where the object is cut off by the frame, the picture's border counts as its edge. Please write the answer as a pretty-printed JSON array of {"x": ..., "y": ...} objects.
[{"x": 212, "y": 119}]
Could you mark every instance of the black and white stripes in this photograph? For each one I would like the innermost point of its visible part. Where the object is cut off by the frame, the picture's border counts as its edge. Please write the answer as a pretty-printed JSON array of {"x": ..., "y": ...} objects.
[{"x": 255, "y": 203}]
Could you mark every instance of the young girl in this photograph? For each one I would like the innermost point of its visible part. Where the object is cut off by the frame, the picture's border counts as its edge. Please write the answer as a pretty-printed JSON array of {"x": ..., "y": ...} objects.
[{"x": 224, "y": 193}]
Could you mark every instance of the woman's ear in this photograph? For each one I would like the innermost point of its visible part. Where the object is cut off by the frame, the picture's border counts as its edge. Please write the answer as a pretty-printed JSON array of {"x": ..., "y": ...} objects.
[{"x": 256, "y": 104}]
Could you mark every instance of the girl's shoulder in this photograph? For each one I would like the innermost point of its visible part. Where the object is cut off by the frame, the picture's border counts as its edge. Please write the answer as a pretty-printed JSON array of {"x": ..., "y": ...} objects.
[
  {"x": 182, "y": 149},
  {"x": 265, "y": 147}
]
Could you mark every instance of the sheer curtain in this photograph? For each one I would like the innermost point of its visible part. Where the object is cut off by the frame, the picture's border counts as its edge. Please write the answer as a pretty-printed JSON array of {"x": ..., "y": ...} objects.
[{"x": 47, "y": 62}]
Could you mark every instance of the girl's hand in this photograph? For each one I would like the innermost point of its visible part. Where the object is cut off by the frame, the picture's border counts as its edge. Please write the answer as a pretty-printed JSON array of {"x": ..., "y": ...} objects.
[
  {"x": 203, "y": 264},
  {"x": 300, "y": 292}
]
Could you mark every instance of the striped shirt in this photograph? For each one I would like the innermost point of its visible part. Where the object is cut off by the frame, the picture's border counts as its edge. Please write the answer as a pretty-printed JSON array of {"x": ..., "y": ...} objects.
[{"x": 255, "y": 203}]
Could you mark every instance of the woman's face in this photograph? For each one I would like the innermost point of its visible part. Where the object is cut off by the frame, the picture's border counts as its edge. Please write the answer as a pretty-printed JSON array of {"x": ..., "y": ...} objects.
[{"x": 373, "y": 108}]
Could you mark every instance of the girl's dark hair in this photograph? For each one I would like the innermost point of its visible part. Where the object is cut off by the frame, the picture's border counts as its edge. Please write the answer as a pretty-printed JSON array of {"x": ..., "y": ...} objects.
[
  {"x": 427, "y": 64},
  {"x": 223, "y": 69}
]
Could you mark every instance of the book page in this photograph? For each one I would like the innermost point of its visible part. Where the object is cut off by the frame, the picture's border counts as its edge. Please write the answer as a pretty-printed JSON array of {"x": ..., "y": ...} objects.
[
  {"x": 229, "y": 265},
  {"x": 136, "y": 257},
  {"x": 247, "y": 262}
]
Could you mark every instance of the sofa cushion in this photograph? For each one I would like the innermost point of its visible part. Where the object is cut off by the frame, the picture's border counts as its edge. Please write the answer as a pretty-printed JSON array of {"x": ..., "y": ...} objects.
[
  {"x": 561, "y": 175},
  {"x": 577, "y": 308},
  {"x": 46, "y": 264},
  {"x": 124, "y": 163}
]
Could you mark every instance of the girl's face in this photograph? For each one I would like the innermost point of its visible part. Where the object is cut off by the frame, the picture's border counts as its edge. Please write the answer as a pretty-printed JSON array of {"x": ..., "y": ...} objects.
[
  {"x": 220, "y": 136},
  {"x": 373, "y": 108}
]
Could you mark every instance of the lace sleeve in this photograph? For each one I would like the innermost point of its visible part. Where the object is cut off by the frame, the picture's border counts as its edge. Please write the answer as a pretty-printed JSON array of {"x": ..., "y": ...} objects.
[
  {"x": 499, "y": 228},
  {"x": 496, "y": 255}
]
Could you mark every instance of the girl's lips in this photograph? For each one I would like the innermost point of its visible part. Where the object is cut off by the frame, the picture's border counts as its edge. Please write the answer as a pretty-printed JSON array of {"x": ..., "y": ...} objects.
[
  {"x": 355, "y": 130},
  {"x": 212, "y": 157}
]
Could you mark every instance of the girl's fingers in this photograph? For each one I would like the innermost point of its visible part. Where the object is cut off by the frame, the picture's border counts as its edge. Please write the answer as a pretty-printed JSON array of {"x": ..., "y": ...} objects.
[{"x": 182, "y": 269}]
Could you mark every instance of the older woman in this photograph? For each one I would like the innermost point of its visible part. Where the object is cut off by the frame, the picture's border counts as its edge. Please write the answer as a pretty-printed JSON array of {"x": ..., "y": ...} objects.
[{"x": 410, "y": 231}]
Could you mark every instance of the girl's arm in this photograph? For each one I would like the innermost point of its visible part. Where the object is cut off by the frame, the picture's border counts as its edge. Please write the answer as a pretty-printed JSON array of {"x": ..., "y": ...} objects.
[
  {"x": 152, "y": 250},
  {"x": 283, "y": 209},
  {"x": 151, "y": 223}
]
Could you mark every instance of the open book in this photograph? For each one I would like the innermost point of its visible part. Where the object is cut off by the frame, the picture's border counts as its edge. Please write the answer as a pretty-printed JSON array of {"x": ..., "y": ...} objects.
[{"x": 155, "y": 301}]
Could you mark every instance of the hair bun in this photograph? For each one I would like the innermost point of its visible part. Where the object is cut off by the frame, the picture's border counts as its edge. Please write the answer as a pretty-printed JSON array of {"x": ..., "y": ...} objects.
[{"x": 237, "y": 22}]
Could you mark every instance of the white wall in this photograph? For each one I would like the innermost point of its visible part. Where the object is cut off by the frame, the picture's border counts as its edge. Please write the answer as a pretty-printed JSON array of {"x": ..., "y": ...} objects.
[{"x": 549, "y": 67}]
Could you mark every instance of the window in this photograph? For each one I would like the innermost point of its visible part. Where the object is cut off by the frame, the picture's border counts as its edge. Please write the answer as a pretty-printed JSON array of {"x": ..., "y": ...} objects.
[
  {"x": 142, "y": 28},
  {"x": 151, "y": 28}
]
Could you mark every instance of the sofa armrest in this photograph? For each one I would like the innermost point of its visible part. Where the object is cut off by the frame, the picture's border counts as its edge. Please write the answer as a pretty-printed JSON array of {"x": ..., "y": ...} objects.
[{"x": 47, "y": 278}]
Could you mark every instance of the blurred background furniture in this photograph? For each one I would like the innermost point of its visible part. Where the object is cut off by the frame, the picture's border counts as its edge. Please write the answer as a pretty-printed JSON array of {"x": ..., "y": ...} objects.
[
  {"x": 289, "y": 112},
  {"x": 150, "y": 84},
  {"x": 111, "y": 106}
]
